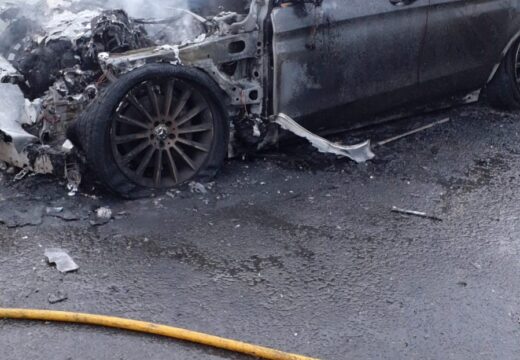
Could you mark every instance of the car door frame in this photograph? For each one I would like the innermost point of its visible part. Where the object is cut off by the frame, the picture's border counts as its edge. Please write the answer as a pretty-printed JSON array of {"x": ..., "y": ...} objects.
[
  {"x": 304, "y": 30},
  {"x": 463, "y": 44}
]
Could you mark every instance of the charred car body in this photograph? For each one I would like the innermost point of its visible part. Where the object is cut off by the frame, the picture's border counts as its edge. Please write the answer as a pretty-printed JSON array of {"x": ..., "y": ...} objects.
[{"x": 147, "y": 109}]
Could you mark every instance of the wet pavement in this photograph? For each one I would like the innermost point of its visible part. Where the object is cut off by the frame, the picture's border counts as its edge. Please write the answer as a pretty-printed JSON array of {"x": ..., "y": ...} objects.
[{"x": 292, "y": 250}]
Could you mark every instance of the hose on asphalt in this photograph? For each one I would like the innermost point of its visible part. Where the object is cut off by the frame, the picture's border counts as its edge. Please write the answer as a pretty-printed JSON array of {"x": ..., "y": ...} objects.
[{"x": 150, "y": 328}]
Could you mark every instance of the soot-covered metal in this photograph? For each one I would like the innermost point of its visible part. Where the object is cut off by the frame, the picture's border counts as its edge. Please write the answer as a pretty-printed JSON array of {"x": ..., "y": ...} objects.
[
  {"x": 221, "y": 72},
  {"x": 55, "y": 65}
]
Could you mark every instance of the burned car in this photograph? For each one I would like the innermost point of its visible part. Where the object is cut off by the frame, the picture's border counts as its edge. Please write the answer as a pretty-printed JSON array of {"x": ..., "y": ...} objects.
[{"x": 156, "y": 111}]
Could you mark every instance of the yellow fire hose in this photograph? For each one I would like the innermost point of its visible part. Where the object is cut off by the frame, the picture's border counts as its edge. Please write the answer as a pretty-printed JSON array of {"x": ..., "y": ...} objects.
[{"x": 150, "y": 328}]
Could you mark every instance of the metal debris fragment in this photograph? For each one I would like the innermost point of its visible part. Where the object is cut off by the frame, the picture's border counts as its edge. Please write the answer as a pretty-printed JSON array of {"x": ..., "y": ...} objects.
[
  {"x": 68, "y": 25},
  {"x": 359, "y": 153},
  {"x": 73, "y": 189},
  {"x": 13, "y": 114},
  {"x": 67, "y": 146},
  {"x": 196, "y": 187},
  {"x": 7, "y": 72},
  {"x": 415, "y": 213},
  {"x": 63, "y": 261},
  {"x": 61, "y": 213},
  {"x": 21, "y": 174},
  {"x": 57, "y": 297},
  {"x": 53, "y": 210},
  {"x": 18, "y": 147},
  {"x": 104, "y": 213},
  {"x": 102, "y": 216},
  {"x": 412, "y": 132},
  {"x": 476, "y": 265}
]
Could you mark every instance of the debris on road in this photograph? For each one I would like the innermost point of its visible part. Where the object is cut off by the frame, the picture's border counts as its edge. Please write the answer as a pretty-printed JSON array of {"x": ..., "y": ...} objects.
[
  {"x": 21, "y": 175},
  {"x": 360, "y": 153},
  {"x": 196, "y": 187},
  {"x": 72, "y": 189},
  {"x": 63, "y": 261},
  {"x": 412, "y": 132},
  {"x": 477, "y": 266},
  {"x": 102, "y": 216},
  {"x": 57, "y": 297},
  {"x": 53, "y": 210},
  {"x": 415, "y": 213},
  {"x": 104, "y": 213},
  {"x": 61, "y": 213}
]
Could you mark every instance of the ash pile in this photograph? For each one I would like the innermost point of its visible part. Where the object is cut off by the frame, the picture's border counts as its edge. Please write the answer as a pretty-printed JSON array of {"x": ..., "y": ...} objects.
[{"x": 49, "y": 71}]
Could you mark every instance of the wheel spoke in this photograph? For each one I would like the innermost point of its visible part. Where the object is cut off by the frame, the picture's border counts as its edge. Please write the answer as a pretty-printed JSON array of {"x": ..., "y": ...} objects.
[
  {"x": 129, "y": 121},
  {"x": 193, "y": 144},
  {"x": 162, "y": 131},
  {"x": 145, "y": 161},
  {"x": 173, "y": 167},
  {"x": 133, "y": 100},
  {"x": 153, "y": 99},
  {"x": 136, "y": 151},
  {"x": 168, "y": 98},
  {"x": 129, "y": 138},
  {"x": 158, "y": 168},
  {"x": 195, "y": 129},
  {"x": 182, "y": 102},
  {"x": 184, "y": 156},
  {"x": 192, "y": 113}
]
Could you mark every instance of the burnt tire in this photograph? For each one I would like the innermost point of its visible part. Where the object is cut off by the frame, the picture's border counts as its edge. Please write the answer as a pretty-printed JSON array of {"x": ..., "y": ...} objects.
[
  {"x": 503, "y": 91},
  {"x": 148, "y": 106}
]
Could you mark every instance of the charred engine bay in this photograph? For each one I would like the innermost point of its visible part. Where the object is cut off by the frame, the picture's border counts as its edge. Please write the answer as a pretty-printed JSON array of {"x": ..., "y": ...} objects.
[
  {"x": 56, "y": 61},
  {"x": 49, "y": 64}
]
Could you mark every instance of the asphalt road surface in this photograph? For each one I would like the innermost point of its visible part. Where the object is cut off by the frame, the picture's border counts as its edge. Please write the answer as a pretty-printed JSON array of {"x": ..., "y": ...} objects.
[{"x": 292, "y": 249}]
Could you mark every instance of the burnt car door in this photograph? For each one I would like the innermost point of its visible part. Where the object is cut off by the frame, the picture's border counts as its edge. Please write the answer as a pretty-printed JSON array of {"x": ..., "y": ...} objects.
[
  {"x": 331, "y": 53},
  {"x": 464, "y": 41}
]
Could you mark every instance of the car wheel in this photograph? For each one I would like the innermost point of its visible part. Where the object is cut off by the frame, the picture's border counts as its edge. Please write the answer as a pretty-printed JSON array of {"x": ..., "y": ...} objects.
[
  {"x": 504, "y": 89},
  {"x": 155, "y": 127}
]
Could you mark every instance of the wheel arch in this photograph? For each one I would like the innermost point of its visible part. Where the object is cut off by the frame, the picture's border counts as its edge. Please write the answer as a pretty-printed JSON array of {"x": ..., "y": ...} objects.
[
  {"x": 219, "y": 96},
  {"x": 503, "y": 54}
]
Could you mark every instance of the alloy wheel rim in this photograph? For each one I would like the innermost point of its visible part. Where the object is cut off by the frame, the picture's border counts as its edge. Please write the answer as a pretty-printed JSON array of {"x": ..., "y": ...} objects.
[
  {"x": 517, "y": 66},
  {"x": 162, "y": 132}
]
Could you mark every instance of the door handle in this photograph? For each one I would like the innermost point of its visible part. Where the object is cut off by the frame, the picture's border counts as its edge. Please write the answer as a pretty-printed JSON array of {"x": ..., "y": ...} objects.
[{"x": 401, "y": 2}]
